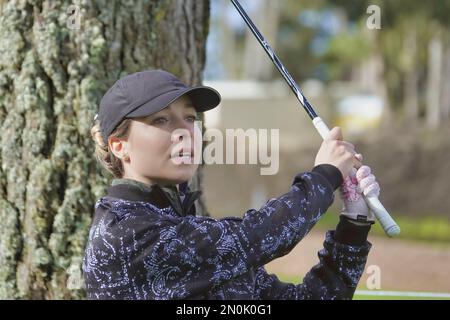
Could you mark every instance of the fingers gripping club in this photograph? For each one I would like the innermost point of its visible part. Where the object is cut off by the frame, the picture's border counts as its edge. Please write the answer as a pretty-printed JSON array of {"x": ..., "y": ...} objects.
[{"x": 389, "y": 226}]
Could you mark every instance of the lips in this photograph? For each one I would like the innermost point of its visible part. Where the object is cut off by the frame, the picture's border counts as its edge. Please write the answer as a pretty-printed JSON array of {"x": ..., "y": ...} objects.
[{"x": 186, "y": 153}]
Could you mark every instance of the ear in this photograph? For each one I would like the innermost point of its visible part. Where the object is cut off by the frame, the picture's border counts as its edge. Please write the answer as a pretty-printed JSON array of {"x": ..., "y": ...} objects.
[{"x": 118, "y": 146}]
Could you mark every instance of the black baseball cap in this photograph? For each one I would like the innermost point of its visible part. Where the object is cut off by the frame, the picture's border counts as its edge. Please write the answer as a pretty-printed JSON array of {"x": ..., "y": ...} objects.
[{"x": 144, "y": 93}]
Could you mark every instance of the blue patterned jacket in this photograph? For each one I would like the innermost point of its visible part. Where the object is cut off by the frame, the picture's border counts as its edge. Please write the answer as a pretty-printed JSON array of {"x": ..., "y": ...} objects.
[{"x": 145, "y": 242}]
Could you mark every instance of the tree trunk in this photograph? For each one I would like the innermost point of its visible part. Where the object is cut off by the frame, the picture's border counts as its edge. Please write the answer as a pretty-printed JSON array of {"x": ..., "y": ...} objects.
[
  {"x": 381, "y": 89},
  {"x": 229, "y": 51},
  {"x": 52, "y": 76},
  {"x": 433, "y": 115},
  {"x": 445, "y": 93},
  {"x": 411, "y": 79},
  {"x": 371, "y": 78},
  {"x": 257, "y": 65}
]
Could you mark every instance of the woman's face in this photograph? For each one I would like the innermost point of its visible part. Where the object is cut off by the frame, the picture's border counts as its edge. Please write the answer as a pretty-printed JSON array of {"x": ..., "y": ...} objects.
[{"x": 158, "y": 152}]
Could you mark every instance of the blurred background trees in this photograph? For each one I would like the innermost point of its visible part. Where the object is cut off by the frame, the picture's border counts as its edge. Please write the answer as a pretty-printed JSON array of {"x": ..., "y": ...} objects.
[
  {"x": 388, "y": 88},
  {"x": 407, "y": 59}
]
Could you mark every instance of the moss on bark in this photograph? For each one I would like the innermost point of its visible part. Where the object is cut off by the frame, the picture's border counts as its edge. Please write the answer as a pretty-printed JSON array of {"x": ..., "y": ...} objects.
[{"x": 52, "y": 78}]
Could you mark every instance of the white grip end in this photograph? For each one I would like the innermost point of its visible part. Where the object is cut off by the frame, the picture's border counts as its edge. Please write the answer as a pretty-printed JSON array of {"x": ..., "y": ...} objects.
[{"x": 390, "y": 227}]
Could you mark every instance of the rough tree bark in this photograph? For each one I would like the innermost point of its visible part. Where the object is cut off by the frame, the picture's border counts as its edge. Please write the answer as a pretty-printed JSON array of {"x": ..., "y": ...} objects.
[{"x": 51, "y": 80}]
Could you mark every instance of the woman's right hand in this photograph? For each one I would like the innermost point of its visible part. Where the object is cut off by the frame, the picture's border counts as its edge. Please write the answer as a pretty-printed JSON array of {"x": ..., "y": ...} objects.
[{"x": 338, "y": 153}]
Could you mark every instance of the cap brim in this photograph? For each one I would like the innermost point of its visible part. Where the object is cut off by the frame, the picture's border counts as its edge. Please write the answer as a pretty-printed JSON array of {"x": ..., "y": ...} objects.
[{"x": 203, "y": 98}]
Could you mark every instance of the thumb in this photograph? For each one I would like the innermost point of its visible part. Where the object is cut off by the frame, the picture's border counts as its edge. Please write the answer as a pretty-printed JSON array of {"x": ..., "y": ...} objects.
[{"x": 335, "y": 134}]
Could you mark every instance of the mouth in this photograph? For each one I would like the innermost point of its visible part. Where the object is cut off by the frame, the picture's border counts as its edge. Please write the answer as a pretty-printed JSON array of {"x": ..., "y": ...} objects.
[{"x": 184, "y": 153}]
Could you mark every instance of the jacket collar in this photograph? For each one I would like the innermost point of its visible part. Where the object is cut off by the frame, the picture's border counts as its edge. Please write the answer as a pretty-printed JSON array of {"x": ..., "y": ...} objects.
[{"x": 160, "y": 196}]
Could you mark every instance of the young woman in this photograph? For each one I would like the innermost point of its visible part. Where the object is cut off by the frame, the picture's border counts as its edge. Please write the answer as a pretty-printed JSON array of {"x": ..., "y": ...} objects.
[{"x": 146, "y": 241}]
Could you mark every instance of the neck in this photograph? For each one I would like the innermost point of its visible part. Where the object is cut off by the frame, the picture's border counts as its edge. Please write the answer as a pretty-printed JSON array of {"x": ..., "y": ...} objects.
[
  {"x": 149, "y": 182},
  {"x": 139, "y": 178}
]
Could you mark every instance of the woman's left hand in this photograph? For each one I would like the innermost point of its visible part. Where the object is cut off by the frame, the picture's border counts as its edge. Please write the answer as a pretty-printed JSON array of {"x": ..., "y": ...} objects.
[{"x": 359, "y": 182}]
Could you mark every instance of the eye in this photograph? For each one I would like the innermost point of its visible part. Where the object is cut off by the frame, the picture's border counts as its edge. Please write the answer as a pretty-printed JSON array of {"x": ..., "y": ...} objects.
[
  {"x": 160, "y": 120},
  {"x": 192, "y": 118}
]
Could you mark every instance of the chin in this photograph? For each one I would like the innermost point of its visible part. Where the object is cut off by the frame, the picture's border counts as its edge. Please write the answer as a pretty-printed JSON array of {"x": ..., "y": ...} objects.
[{"x": 183, "y": 175}]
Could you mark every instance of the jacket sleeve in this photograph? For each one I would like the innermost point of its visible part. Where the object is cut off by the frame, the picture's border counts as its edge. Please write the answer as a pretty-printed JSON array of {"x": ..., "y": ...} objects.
[
  {"x": 195, "y": 254},
  {"x": 341, "y": 265}
]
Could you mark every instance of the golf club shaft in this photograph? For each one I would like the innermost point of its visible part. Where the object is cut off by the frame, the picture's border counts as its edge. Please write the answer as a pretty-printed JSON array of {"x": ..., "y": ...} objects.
[{"x": 386, "y": 221}]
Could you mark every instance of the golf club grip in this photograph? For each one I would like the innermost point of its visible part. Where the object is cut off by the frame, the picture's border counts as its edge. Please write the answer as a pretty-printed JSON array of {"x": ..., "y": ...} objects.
[{"x": 389, "y": 226}]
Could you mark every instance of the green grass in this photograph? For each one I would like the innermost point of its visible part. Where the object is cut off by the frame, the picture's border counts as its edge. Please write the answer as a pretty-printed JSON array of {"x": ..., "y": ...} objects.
[{"x": 429, "y": 228}]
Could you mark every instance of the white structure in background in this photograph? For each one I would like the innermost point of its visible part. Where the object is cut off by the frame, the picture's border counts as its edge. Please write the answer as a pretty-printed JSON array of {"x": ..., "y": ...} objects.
[
  {"x": 267, "y": 105},
  {"x": 241, "y": 90},
  {"x": 358, "y": 113}
]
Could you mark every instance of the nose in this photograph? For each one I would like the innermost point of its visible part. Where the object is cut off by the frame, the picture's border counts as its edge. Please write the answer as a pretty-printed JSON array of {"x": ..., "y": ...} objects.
[{"x": 183, "y": 130}]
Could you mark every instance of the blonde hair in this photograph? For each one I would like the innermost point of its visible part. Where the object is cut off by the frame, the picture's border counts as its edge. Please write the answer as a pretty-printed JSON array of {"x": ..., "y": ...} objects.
[{"x": 103, "y": 153}]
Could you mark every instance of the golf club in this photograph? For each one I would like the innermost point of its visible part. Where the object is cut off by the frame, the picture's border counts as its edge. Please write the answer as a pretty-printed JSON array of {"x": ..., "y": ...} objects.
[{"x": 386, "y": 221}]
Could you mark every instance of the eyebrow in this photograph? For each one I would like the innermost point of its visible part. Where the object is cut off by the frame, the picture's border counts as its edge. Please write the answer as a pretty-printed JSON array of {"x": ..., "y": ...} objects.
[{"x": 191, "y": 105}]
